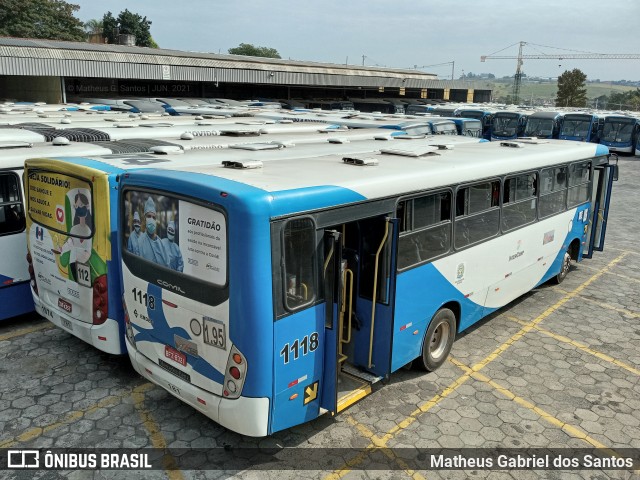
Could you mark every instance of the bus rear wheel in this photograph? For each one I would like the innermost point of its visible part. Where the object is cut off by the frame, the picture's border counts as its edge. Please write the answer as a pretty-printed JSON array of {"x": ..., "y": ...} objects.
[
  {"x": 564, "y": 270},
  {"x": 438, "y": 339}
]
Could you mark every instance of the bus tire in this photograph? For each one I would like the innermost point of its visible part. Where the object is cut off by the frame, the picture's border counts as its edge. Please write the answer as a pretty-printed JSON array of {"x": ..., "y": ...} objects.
[
  {"x": 438, "y": 339},
  {"x": 564, "y": 269}
]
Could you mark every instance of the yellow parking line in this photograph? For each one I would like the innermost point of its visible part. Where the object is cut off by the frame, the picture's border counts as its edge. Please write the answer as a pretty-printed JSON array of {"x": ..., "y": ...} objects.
[
  {"x": 155, "y": 434},
  {"x": 582, "y": 347},
  {"x": 26, "y": 331},
  {"x": 425, "y": 407},
  {"x": 69, "y": 418},
  {"x": 626, "y": 277},
  {"x": 565, "y": 427},
  {"x": 606, "y": 305}
]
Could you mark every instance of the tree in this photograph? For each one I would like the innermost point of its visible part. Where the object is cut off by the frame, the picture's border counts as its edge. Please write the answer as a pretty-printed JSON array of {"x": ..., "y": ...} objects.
[
  {"x": 572, "y": 89},
  {"x": 93, "y": 26},
  {"x": 47, "y": 19},
  {"x": 251, "y": 51},
  {"x": 128, "y": 23}
]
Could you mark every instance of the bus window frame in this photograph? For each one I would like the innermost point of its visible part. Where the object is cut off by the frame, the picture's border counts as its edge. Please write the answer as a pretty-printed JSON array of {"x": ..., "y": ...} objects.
[
  {"x": 54, "y": 229},
  {"x": 588, "y": 183},
  {"x": 20, "y": 202},
  {"x": 553, "y": 192},
  {"x": 534, "y": 197},
  {"x": 465, "y": 215},
  {"x": 208, "y": 293},
  {"x": 412, "y": 230},
  {"x": 314, "y": 265}
]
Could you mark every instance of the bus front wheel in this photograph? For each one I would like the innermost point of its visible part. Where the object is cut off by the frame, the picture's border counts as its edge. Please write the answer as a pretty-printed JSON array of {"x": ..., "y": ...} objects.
[{"x": 438, "y": 339}]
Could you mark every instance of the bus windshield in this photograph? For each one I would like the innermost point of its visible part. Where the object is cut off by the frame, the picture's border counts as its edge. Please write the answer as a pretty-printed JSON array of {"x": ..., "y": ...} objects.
[
  {"x": 505, "y": 125},
  {"x": 445, "y": 129},
  {"x": 539, "y": 127},
  {"x": 618, "y": 130},
  {"x": 576, "y": 126}
]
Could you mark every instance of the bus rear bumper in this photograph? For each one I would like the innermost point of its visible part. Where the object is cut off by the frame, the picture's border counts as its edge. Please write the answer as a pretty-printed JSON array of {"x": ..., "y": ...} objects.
[
  {"x": 104, "y": 337},
  {"x": 244, "y": 415}
]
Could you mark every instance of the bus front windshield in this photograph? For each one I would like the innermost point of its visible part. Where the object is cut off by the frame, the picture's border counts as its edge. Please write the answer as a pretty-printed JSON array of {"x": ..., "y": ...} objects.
[
  {"x": 472, "y": 128},
  {"x": 505, "y": 125},
  {"x": 576, "y": 127},
  {"x": 445, "y": 129},
  {"x": 539, "y": 127},
  {"x": 617, "y": 130}
]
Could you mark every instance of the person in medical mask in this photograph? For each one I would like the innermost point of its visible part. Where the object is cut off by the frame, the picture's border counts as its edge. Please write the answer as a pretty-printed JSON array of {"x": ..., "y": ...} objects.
[
  {"x": 132, "y": 244},
  {"x": 149, "y": 244},
  {"x": 173, "y": 250}
]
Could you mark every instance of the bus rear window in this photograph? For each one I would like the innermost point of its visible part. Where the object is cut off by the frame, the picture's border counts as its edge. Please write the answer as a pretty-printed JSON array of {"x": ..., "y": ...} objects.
[
  {"x": 61, "y": 203},
  {"x": 299, "y": 262},
  {"x": 176, "y": 234}
]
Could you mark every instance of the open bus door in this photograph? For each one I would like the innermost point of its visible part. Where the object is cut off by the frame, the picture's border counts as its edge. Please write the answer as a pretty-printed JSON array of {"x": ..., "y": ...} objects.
[
  {"x": 358, "y": 266},
  {"x": 603, "y": 178}
]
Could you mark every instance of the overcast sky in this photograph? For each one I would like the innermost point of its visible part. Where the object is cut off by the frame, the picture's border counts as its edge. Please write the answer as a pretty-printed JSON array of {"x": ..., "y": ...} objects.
[{"x": 401, "y": 34}]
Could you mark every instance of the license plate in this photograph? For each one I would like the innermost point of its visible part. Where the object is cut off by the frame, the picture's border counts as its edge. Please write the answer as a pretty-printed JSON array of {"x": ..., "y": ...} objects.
[
  {"x": 64, "y": 305},
  {"x": 67, "y": 324},
  {"x": 173, "y": 354}
]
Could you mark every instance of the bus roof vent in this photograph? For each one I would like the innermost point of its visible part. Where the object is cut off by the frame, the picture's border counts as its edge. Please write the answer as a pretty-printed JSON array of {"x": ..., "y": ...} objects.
[
  {"x": 9, "y": 145},
  {"x": 418, "y": 152},
  {"x": 165, "y": 149},
  {"x": 532, "y": 140},
  {"x": 251, "y": 122},
  {"x": 258, "y": 146},
  {"x": 512, "y": 144},
  {"x": 443, "y": 146},
  {"x": 60, "y": 141},
  {"x": 240, "y": 133},
  {"x": 360, "y": 161},
  {"x": 338, "y": 140},
  {"x": 156, "y": 125},
  {"x": 242, "y": 164},
  {"x": 407, "y": 136}
]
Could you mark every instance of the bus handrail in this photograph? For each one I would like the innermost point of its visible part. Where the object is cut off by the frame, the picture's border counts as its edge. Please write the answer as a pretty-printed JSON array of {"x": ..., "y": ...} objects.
[{"x": 375, "y": 290}]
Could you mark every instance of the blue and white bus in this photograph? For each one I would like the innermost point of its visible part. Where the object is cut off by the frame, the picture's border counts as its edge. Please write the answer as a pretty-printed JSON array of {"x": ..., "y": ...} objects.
[
  {"x": 73, "y": 262},
  {"x": 580, "y": 126},
  {"x": 485, "y": 116},
  {"x": 507, "y": 125},
  {"x": 619, "y": 132},
  {"x": 305, "y": 281},
  {"x": 544, "y": 124}
]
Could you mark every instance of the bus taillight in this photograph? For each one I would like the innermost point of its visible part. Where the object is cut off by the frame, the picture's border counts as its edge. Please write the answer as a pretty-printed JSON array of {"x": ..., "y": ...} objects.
[
  {"x": 32, "y": 273},
  {"x": 100, "y": 300},
  {"x": 235, "y": 374}
]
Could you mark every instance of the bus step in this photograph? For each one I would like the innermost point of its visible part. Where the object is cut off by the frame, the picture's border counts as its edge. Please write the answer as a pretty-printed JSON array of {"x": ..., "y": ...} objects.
[{"x": 356, "y": 372}]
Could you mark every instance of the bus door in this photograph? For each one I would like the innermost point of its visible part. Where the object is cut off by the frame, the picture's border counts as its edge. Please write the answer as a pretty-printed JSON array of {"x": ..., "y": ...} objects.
[
  {"x": 603, "y": 177},
  {"x": 358, "y": 339}
]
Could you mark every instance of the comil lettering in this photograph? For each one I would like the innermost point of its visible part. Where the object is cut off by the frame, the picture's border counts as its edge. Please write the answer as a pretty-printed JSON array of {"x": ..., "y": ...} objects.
[{"x": 204, "y": 224}]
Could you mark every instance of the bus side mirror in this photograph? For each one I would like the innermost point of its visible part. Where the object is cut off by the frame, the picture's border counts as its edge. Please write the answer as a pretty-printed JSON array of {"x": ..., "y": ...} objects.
[{"x": 615, "y": 172}]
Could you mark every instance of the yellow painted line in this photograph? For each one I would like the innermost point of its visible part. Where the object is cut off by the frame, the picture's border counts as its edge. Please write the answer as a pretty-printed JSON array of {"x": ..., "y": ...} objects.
[
  {"x": 529, "y": 326},
  {"x": 629, "y": 313},
  {"x": 353, "y": 396},
  {"x": 155, "y": 434},
  {"x": 26, "y": 331},
  {"x": 425, "y": 407},
  {"x": 583, "y": 348},
  {"x": 69, "y": 418},
  {"x": 564, "y": 426},
  {"x": 626, "y": 277}
]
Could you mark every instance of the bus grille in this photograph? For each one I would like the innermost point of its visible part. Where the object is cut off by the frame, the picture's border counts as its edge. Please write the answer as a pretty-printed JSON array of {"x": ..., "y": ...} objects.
[{"x": 171, "y": 369}]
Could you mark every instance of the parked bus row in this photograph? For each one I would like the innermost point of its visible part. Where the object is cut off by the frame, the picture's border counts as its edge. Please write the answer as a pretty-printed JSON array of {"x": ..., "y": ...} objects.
[{"x": 267, "y": 284}]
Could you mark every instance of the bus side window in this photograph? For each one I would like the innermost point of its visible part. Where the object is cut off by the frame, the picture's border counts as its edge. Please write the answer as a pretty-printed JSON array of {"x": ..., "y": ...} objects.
[
  {"x": 12, "y": 219},
  {"x": 553, "y": 191},
  {"x": 479, "y": 219},
  {"x": 579, "y": 181},
  {"x": 425, "y": 228},
  {"x": 299, "y": 263},
  {"x": 519, "y": 203}
]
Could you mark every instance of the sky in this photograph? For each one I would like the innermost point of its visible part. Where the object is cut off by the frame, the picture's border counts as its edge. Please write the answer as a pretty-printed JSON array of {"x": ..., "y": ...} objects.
[{"x": 402, "y": 34}]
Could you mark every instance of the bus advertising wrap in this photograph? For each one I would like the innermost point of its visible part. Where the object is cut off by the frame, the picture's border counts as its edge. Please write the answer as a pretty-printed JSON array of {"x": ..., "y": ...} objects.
[
  {"x": 179, "y": 235},
  {"x": 68, "y": 239}
]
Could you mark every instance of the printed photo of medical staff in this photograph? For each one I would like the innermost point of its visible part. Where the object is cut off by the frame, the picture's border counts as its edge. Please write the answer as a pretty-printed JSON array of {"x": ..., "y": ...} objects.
[{"x": 151, "y": 229}]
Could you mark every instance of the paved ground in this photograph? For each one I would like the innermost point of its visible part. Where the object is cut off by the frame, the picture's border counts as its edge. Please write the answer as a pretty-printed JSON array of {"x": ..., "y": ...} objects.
[{"x": 559, "y": 367}]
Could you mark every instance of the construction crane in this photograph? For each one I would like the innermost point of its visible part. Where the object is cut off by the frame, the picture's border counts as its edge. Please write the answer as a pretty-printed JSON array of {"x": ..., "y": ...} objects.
[{"x": 543, "y": 56}]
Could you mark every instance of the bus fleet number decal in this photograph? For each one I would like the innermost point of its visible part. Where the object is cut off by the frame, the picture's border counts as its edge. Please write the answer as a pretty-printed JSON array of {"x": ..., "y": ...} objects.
[
  {"x": 308, "y": 344},
  {"x": 143, "y": 298}
]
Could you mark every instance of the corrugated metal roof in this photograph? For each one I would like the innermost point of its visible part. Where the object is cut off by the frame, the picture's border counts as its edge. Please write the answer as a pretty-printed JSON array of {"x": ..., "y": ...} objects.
[{"x": 35, "y": 57}]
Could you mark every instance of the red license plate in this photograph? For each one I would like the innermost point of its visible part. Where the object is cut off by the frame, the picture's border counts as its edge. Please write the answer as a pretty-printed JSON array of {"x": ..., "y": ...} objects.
[
  {"x": 64, "y": 305},
  {"x": 175, "y": 355}
]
